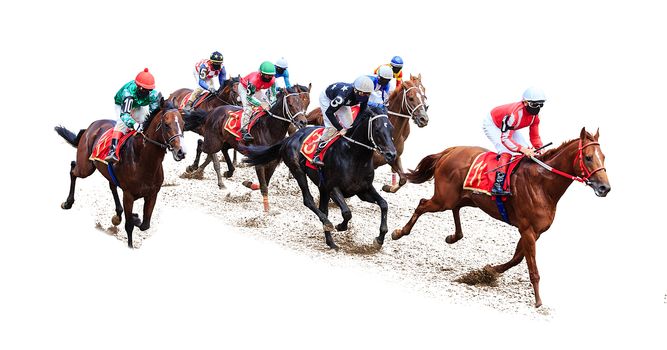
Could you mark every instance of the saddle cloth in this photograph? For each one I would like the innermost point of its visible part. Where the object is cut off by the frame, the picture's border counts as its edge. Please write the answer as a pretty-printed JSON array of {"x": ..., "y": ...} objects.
[
  {"x": 481, "y": 175},
  {"x": 309, "y": 146},
  {"x": 102, "y": 146},
  {"x": 233, "y": 123},
  {"x": 197, "y": 102}
]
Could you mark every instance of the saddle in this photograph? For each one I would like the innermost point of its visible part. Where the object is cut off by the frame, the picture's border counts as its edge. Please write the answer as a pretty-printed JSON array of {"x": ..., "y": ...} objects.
[
  {"x": 310, "y": 143},
  {"x": 482, "y": 173},
  {"x": 197, "y": 101},
  {"x": 233, "y": 123},
  {"x": 101, "y": 148}
]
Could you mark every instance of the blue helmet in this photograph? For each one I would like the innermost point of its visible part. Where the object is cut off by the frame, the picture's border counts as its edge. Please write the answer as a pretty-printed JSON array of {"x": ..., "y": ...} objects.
[{"x": 396, "y": 61}]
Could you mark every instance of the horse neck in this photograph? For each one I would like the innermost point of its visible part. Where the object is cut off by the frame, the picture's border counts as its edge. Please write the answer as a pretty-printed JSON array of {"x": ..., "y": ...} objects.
[
  {"x": 273, "y": 129},
  {"x": 396, "y": 105},
  {"x": 360, "y": 134},
  {"x": 563, "y": 160},
  {"x": 147, "y": 154}
]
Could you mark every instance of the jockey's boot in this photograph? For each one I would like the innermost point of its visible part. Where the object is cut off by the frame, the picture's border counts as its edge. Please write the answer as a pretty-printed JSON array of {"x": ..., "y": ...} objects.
[
  {"x": 188, "y": 107},
  {"x": 246, "y": 135},
  {"x": 316, "y": 159},
  {"x": 111, "y": 156},
  {"x": 498, "y": 189}
]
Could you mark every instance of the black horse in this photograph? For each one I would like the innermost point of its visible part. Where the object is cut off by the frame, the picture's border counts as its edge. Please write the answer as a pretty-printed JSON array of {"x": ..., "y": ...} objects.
[{"x": 348, "y": 168}]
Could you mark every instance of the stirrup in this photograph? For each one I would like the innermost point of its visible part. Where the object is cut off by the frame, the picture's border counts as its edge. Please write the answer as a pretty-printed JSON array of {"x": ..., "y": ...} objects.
[
  {"x": 317, "y": 161},
  {"x": 246, "y": 136}
]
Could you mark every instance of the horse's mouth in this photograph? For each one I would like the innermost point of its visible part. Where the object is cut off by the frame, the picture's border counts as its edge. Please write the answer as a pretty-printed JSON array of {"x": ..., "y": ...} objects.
[{"x": 178, "y": 155}]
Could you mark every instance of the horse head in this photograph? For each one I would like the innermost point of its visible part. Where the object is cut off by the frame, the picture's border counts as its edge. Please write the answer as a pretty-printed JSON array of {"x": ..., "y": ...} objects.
[
  {"x": 415, "y": 102},
  {"x": 591, "y": 163},
  {"x": 290, "y": 105},
  {"x": 229, "y": 94},
  {"x": 378, "y": 132},
  {"x": 305, "y": 93},
  {"x": 164, "y": 127}
]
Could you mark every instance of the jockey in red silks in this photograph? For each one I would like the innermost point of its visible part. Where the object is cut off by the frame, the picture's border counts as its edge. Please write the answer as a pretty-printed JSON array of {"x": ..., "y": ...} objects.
[{"x": 501, "y": 126}]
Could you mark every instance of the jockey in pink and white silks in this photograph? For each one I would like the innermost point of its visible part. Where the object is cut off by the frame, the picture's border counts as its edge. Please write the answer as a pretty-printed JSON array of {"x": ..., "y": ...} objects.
[
  {"x": 205, "y": 72},
  {"x": 501, "y": 127}
]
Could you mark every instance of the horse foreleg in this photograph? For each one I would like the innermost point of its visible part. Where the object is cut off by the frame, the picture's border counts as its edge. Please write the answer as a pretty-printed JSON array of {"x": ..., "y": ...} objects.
[
  {"x": 67, "y": 204},
  {"x": 230, "y": 164},
  {"x": 373, "y": 196},
  {"x": 396, "y": 168},
  {"x": 128, "y": 203},
  {"x": 324, "y": 208},
  {"x": 528, "y": 246},
  {"x": 425, "y": 206},
  {"x": 458, "y": 232},
  {"x": 149, "y": 205},
  {"x": 216, "y": 166},
  {"x": 207, "y": 161},
  {"x": 195, "y": 164},
  {"x": 261, "y": 171},
  {"x": 338, "y": 198},
  {"x": 516, "y": 259},
  {"x": 116, "y": 219},
  {"x": 235, "y": 161}
]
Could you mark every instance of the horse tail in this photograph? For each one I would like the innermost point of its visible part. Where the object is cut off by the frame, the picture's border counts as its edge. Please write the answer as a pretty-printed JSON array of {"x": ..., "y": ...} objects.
[
  {"x": 258, "y": 155},
  {"x": 425, "y": 168},
  {"x": 69, "y": 136},
  {"x": 194, "y": 119}
]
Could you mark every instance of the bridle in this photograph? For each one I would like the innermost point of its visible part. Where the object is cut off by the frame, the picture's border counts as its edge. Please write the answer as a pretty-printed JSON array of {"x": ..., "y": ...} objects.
[
  {"x": 291, "y": 117},
  {"x": 585, "y": 173},
  {"x": 375, "y": 147},
  {"x": 164, "y": 137},
  {"x": 405, "y": 103}
]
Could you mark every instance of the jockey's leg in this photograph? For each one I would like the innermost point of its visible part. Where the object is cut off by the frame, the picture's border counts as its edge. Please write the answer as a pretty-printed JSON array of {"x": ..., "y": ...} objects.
[
  {"x": 193, "y": 96},
  {"x": 118, "y": 131},
  {"x": 498, "y": 189},
  {"x": 247, "y": 113},
  {"x": 329, "y": 132}
]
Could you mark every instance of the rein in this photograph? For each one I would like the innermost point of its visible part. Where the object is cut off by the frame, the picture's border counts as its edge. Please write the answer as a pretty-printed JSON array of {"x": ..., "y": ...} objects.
[
  {"x": 286, "y": 110},
  {"x": 585, "y": 173},
  {"x": 160, "y": 144},
  {"x": 375, "y": 147},
  {"x": 405, "y": 103}
]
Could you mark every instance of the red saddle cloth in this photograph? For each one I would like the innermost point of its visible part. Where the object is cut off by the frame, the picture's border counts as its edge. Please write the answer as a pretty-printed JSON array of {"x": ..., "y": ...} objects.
[
  {"x": 101, "y": 148},
  {"x": 197, "y": 102},
  {"x": 233, "y": 123},
  {"x": 309, "y": 146},
  {"x": 482, "y": 173}
]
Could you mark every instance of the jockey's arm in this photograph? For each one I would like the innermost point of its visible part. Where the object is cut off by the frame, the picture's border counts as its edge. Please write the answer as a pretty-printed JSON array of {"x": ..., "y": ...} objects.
[
  {"x": 250, "y": 95},
  {"x": 155, "y": 98},
  {"x": 222, "y": 76},
  {"x": 125, "y": 109},
  {"x": 507, "y": 131},
  {"x": 286, "y": 77},
  {"x": 334, "y": 105},
  {"x": 203, "y": 72},
  {"x": 272, "y": 93},
  {"x": 534, "y": 134}
]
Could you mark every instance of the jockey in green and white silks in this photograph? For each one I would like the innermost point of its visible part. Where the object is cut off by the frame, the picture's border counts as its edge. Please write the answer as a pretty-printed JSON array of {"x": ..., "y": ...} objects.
[
  {"x": 256, "y": 89},
  {"x": 134, "y": 101}
]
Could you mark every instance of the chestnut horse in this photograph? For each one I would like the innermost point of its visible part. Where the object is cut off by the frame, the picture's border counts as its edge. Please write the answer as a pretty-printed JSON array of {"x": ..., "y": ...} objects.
[
  {"x": 536, "y": 190},
  {"x": 269, "y": 129},
  {"x": 228, "y": 95},
  {"x": 407, "y": 102},
  {"x": 139, "y": 172}
]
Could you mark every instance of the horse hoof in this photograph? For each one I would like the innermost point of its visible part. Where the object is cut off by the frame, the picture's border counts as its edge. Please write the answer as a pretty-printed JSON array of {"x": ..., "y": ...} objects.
[
  {"x": 115, "y": 220},
  {"x": 396, "y": 234},
  {"x": 328, "y": 227},
  {"x": 227, "y": 174},
  {"x": 333, "y": 246},
  {"x": 144, "y": 227},
  {"x": 222, "y": 186},
  {"x": 341, "y": 227},
  {"x": 136, "y": 220},
  {"x": 247, "y": 184},
  {"x": 190, "y": 168},
  {"x": 66, "y": 205},
  {"x": 386, "y": 188},
  {"x": 377, "y": 244}
]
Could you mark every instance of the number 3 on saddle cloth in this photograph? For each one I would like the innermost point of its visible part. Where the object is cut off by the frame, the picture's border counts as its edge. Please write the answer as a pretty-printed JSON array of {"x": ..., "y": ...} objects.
[
  {"x": 101, "y": 148},
  {"x": 310, "y": 143},
  {"x": 482, "y": 173},
  {"x": 233, "y": 123},
  {"x": 197, "y": 102}
]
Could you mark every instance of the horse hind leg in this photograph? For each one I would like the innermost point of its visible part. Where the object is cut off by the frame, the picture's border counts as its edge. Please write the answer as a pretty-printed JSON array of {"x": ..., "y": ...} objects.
[
  {"x": 116, "y": 219},
  {"x": 195, "y": 164},
  {"x": 458, "y": 233},
  {"x": 230, "y": 164},
  {"x": 516, "y": 259},
  {"x": 67, "y": 204},
  {"x": 324, "y": 208},
  {"x": 308, "y": 201},
  {"x": 425, "y": 206},
  {"x": 345, "y": 211},
  {"x": 216, "y": 166},
  {"x": 372, "y": 196}
]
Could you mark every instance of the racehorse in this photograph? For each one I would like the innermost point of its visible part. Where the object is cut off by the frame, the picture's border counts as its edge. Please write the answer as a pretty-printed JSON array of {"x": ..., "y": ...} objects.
[
  {"x": 407, "y": 102},
  {"x": 536, "y": 190},
  {"x": 348, "y": 168},
  {"x": 139, "y": 172},
  {"x": 270, "y": 128}
]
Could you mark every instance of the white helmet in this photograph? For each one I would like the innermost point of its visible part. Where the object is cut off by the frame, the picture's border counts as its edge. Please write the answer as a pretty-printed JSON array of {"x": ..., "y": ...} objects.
[
  {"x": 364, "y": 84},
  {"x": 385, "y": 72},
  {"x": 534, "y": 94},
  {"x": 281, "y": 62}
]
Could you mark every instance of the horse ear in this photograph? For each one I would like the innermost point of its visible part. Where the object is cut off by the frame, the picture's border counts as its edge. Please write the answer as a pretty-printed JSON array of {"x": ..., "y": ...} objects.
[
  {"x": 582, "y": 135},
  {"x": 419, "y": 77},
  {"x": 411, "y": 76},
  {"x": 597, "y": 134},
  {"x": 310, "y": 85}
]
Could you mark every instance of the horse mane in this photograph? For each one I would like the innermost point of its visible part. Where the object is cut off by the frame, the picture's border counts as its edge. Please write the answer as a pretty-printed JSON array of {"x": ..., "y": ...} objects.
[
  {"x": 367, "y": 113},
  {"x": 550, "y": 154},
  {"x": 301, "y": 87},
  {"x": 163, "y": 105},
  {"x": 194, "y": 119}
]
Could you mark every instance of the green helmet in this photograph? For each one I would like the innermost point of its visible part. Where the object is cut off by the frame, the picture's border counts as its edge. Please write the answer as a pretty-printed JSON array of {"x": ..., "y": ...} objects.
[{"x": 267, "y": 68}]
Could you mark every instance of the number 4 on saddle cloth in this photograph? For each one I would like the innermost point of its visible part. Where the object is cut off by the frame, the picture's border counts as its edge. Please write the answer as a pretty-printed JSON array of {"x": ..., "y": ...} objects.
[
  {"x": 482, "y": 173},
  {"x": 233, "y": 123},
  {"x": 310, "y": 143},
  {"x": 197, "y": 102},
  {"x": 101, "y": 148}
]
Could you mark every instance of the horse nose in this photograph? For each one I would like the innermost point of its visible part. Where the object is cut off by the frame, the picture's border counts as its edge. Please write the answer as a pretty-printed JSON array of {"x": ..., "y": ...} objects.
[
  {"x": 390, "y": 156},
  {"x": 604, "y": 189},
  {"x": 180, "y": 154}
]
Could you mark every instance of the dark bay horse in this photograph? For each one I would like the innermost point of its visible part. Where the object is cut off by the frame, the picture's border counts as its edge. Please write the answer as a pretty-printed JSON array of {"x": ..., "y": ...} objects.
[
  {"x": 348, "y": 169},
  {"x": 535, "y": 192},
  {"x": 139, "y": 172},
  {"x": 269, "y": 129},
  {"x": 407, "y": 102}
]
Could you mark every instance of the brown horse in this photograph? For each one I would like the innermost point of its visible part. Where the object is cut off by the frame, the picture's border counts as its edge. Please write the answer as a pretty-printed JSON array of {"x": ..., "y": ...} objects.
[
  {"x": 535, "y": 192},
  {"x": 228, "y": 95},
  {"x": 269, "y": 129},
  {"x": 407, "y": 102},
  {"x": 139, "y": 173}
]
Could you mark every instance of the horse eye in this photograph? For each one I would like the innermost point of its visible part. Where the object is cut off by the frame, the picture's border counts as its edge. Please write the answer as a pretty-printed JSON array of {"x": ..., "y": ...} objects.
[{"x": 589, "y": 158}]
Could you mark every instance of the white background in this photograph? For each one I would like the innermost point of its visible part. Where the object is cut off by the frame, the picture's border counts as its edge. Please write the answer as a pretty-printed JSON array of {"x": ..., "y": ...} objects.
[{"x": 65, "y": 285}]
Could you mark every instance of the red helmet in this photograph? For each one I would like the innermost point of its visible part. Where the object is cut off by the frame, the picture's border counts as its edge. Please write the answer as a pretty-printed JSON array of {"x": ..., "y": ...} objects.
[{"x": 145, "y": 80}]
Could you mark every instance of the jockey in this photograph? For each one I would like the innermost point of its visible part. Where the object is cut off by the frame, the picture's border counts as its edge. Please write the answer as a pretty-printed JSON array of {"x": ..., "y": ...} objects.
[
  {"x": 501, "y": 126},
  {"x": 380, "y": 95},
  {"x": 335, "y": 102},
  {"x": 257, "y": 89},
  {"x": 134, "y": 101},
  {"x": 281, "y": 72},
  {"x": 396, "y": 66},
  {"x": 205, "y": 72}
]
